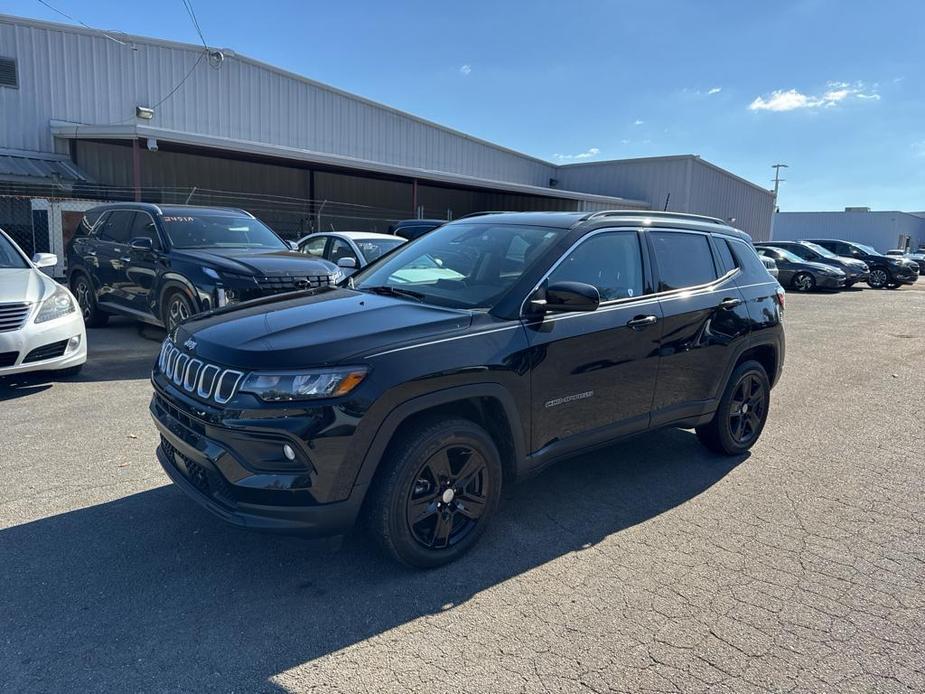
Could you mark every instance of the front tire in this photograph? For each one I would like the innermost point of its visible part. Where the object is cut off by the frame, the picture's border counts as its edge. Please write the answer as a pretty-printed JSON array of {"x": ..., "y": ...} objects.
[
  {"x": 742, "y": 412},
  {"x": 93, "y": 315},
  {"x": 803, "y": 282},
  {"x": 175, "y": 309},
  {"x": 878, "y": 278},
  {"x": 438, "y": 490}
]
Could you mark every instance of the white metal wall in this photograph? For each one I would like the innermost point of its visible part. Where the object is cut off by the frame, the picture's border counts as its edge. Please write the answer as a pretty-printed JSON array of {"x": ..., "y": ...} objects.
[
  {"x": 686, "y": 183},
  {"x": 878, "y": 229},
  {"x": 69, "y": 74}
]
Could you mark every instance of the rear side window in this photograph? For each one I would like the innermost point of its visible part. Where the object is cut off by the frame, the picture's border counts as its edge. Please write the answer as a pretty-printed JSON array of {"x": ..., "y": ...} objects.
[
  {"x": 611, "y": 262},
  {"x": 753, "y": 270},
  {"x": 725, "y": 255},
  {"x": 683, "y": 259}
]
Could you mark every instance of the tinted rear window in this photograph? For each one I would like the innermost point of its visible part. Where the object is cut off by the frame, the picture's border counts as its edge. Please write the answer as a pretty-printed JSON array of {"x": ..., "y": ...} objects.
[
  {"x": 753, "y": 270},
  {"x": 684, "y": 259}
]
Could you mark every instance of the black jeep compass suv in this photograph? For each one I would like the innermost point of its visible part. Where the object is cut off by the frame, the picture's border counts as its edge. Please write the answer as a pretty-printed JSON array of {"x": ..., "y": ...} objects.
[
  {"x": 464, "y": 361},
  {"x": 164, "y": 263}
]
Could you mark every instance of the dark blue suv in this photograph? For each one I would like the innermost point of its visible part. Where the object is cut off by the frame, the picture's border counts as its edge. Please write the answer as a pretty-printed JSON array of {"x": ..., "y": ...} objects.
[{"x": 163, "y": 263}]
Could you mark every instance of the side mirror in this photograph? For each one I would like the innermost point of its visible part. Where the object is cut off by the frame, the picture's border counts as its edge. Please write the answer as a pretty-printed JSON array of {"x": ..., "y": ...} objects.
[
  {"x": 142, "y": 243},
  {"x": 293, "y": 245},
  {"x": 347, "y": 263},
  {"x": 567, "y": 296},
  {"x": 45, "y": 259}
]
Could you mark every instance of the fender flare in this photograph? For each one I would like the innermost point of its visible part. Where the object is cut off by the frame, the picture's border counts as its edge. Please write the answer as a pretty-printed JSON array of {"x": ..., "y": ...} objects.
[
  {"x": 400, "y": 413},
  {"x": 171, "y": 281}
]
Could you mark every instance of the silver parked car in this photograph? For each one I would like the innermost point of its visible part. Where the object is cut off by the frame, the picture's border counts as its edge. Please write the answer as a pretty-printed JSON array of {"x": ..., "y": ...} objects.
[
  {"x": 770, "y": 264},
  {"x": 349, "y": 250}
]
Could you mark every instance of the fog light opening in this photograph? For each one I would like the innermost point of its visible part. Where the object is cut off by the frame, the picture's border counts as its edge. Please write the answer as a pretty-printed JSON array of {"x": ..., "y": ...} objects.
[
  {"x": 72, "y": 344},
  {"x": 288, "y": 452}
]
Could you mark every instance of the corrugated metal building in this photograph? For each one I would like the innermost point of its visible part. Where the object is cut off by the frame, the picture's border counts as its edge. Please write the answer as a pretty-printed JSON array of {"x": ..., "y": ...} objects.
[
  {"x": 296, "y": 151},
  {"x": 882, "y": 230}
]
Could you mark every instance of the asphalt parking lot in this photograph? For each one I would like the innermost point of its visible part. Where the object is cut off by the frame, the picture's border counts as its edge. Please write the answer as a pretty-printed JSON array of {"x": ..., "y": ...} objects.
[{"x": 649, "y": 566}]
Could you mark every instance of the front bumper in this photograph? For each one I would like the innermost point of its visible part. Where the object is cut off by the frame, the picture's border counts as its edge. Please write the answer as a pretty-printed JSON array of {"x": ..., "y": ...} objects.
[
  {"x": 830, "y": 282},
  {"x": 905, "y": 275},
  {"x": 199, "y": 459},
  {"x": 33, "y": 336}
]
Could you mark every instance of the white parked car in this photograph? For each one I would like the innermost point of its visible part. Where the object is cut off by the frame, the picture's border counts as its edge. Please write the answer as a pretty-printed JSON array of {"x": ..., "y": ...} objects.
[
  {"x": 349, "y": 250},
  {"x": 41, "y": 327}
]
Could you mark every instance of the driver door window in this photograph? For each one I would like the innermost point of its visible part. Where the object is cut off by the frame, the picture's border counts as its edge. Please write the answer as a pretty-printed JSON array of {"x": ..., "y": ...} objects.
[
  {"x": 341, "y": 249},
  {"x": 315, "y": 246},
  {"x": 611, "y": 262}
]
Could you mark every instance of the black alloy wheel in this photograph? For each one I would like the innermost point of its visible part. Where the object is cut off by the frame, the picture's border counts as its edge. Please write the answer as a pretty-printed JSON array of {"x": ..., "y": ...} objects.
[
  {"x": 448, "y": 497},
  {"x": 742, "y": 412},
  {"x": 177, "y": 309},
  {"x": 878, "y": 278},
  {"x": 86, "y": 301},
  {"x": 804, "y": 282},
  {"x": 435, "y": 491}
]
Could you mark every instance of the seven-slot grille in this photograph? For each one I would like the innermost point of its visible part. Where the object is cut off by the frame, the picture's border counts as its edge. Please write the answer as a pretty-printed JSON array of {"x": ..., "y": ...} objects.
[
  {"x": 12, "y": 316},
  {"x": 289, "y": 283},
  {"x": 207, "y": 381}
]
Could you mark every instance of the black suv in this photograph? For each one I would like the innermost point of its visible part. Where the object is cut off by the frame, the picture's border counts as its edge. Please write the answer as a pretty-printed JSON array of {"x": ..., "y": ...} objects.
[
  {"x": 164, "y": 263},
  {"x": 464, "y": 361},
  {"x": 885, "y": 271}
]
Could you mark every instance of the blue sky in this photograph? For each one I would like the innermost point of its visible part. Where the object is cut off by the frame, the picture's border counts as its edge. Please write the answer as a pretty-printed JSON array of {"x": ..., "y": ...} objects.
[{"x": 833, "y": 88}]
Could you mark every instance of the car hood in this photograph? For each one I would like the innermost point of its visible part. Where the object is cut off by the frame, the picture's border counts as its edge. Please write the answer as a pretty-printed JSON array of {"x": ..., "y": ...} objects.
[
  {"x": 314, "y": 329},
  {"x": 24, "y": 284},
  {"x": 822, "y": 266},
  {"x": 249, "y": 261}
]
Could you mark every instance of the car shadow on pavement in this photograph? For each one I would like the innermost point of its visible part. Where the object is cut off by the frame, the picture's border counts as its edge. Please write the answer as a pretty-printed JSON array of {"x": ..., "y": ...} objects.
[{"x": 149, "y": 592}]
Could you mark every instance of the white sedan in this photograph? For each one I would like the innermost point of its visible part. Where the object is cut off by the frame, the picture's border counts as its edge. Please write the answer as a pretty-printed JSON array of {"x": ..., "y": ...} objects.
[
  {"x": 349, "y": 250},
  {"x": 41, "y": 327}
]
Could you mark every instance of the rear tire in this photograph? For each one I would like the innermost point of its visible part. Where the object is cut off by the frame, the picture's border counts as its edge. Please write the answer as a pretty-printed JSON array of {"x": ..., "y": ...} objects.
[
  {"x": 82, "y": 288},
  {"x": 439, "y": 487},
  {"x": 742, "y": 412}
]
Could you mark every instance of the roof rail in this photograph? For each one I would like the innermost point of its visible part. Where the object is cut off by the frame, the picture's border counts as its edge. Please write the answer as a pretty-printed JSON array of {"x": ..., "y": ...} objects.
[
  {"x": 654, "y": 213},
  {"x": 479, "y": 214}
]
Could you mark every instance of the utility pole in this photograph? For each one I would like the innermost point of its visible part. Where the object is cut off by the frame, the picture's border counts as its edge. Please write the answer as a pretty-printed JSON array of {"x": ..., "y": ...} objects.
[{"x": 778, "y": 180}]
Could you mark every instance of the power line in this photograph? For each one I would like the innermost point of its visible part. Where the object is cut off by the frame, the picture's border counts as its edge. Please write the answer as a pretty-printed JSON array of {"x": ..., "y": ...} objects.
[
  {"x": 85, "y": 25},
  {"x": 192, "y": 15}
]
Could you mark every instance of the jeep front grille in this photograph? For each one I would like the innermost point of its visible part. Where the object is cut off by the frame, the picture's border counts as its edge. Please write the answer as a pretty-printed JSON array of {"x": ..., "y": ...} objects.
[
  {"x": 195, "y": 376},
  {"x": 12, "y": 316}
]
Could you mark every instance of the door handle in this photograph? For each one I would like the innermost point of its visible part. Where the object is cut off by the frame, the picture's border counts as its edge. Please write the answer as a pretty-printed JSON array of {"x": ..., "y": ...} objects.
[
  {"x": 641, "y": 322},
  {"x": 729, "y": 303},
  {"x": 125, "y": 259}
]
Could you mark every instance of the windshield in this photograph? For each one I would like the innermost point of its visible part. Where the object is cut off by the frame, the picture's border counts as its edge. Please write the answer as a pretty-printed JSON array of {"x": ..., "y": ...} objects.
[
  {"x": 824, "y": 252},
  {"x": 461, "y": 265},
  {"x": 785, "y": 254},
  {"x": 867, "y": 249},
  {"x": 219, "y": 231},
  {"x": 373, "y": 248},
  {"x": 9, "y": 256}
]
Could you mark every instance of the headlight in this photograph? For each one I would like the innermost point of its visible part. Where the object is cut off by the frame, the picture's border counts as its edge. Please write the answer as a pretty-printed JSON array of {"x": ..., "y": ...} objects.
[
  {"x": 57, "y": 305},
  {"x": 280, "y": 386}
]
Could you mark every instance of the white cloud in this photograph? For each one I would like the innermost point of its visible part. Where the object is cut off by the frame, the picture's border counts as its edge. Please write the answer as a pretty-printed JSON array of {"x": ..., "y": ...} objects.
[
  {"x": 638, "y": 122},
  {"x": 624, "y": 141},
  {"x": 918, "y": 148},
  {"x": 714, "y": 90},
  {"x": 465, "y": 69},
  {"x": 791, "y": 99},
  {"x": 587, "y": 154}
]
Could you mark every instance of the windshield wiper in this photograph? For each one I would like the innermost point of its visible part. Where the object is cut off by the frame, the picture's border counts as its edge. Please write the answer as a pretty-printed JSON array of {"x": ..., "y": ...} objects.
[{"x": 395, "y": 291}]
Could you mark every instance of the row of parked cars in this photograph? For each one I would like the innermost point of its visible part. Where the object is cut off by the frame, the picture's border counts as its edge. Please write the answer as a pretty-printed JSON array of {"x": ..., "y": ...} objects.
[
  {"x": 356, "y": 376},
  {"x": 834, "y": 264}
]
